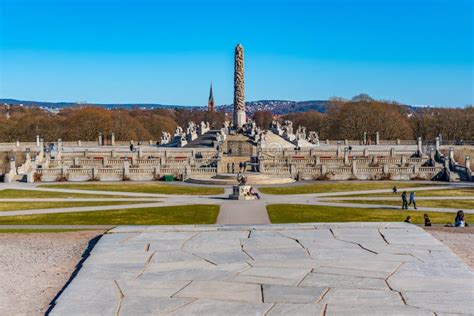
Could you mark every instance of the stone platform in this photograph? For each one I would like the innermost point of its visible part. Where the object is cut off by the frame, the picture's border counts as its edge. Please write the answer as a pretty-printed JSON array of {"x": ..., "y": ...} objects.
[
  {"x": 300, "y": 269},
  {"x": 231, "y": 179}
]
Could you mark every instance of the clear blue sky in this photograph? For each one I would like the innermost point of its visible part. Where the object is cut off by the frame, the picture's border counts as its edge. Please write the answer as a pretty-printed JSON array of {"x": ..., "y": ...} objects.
[{"x": 414, "y": 51}]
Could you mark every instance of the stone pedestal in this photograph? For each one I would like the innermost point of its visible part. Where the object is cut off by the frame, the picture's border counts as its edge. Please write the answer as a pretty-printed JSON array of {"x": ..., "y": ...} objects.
[
  {"x": 241, "y": 192},
  {"x": 239, "y": 119}
]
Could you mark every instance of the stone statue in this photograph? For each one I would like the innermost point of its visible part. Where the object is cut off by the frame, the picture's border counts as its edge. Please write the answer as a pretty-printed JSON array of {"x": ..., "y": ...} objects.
[
  {"x": 191, "y": 131},
  {"x": 178, "y": 132},
  {"x": 239, "y": 98},
  {"x": 301, "y": 133},
  {"x": 313, "y": 138},
  {"x": 165, "y": 138},
  {"x": 241, "y": 179}
]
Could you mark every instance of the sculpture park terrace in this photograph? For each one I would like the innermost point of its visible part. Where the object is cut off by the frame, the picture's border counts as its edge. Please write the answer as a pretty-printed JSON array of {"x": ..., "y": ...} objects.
[{"x": 216, "y": 156}]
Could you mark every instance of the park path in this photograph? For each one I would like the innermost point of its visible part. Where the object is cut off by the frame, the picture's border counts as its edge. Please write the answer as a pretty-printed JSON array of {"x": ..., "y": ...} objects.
[{"x": 231, "y": 212}]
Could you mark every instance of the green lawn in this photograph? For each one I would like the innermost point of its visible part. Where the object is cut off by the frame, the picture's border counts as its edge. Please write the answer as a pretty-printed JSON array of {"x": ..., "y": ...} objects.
[
  {"x": 442, "y": 192},
  {"x": 339, "y": 186},
  {"x": 41, "y": 230},
  {"x": 166, "y": 215},
  {"x": 17, "y": 194},
  {"x": 156, "y": 188},
  {"x": 15, "y": 206},
  {"x": 460, "y": 204},
  {"x": 291, "y": 213}
]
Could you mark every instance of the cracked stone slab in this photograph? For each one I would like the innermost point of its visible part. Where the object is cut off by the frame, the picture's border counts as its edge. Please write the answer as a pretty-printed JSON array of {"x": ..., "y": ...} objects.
[
  {"x": 226, "y": 291},
  {"x": 380, "y": 310},
  {"x": 292, "y": 294},
  {"x": 146, "y": 305},
  {"x": 445, "y": 302},
  {"x": 262, "y": 280},
  {"x": 300, "y": 269},
  {"x": 188, "y": 274},
  {"x": 144, "y": 287},
  {"x": 362, "y": 297},
  {"x": 99, "y": 295},
  {"x": 283, "y": 273},
  {"x": 352, "y": 272},
  {"x": 434, "y": 276},
  {"x": 283, "y": 309},
  {"x": 278, "y": 254},
  {"x": 213, "y": 307},
  {"x": 344, "y": 282}
]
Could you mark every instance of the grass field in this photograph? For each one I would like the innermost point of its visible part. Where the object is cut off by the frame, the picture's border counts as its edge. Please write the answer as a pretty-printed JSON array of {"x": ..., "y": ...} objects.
[
  {"x": 156, "y": 188},
  {"x": 166, "y": 215},
  {"x": 427, "y": 193},
  {"x": 291, "y": 213},
  {"x": 41, "y": 230},
  {"x": 460, "y": 204},
  {"x": 17, "y": 194},
  {"x": 15, "y": 206},
  {"x": 339, "y": 186}
]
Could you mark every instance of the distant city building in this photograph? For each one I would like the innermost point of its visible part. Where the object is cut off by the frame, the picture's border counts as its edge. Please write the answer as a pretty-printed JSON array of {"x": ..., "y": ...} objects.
[{"x": 210, "y": 102}]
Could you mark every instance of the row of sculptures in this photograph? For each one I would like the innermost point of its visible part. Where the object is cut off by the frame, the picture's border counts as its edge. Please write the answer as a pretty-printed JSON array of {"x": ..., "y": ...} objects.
[
  {"x": 284, "y": 129},
  {"x": 300, "y": 138},
  {"x": 181, "y": 137}
]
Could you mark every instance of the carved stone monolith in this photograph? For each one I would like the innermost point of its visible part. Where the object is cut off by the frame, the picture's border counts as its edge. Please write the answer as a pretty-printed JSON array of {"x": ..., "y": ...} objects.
[{"x": 239, "y": 99}]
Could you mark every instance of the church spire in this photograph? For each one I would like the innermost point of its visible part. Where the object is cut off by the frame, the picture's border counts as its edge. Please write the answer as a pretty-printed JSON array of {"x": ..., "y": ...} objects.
[{"x": 210, "y": 102}]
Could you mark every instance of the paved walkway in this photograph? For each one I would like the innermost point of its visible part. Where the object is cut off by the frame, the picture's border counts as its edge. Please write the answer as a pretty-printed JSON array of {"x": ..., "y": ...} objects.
[
  {"x": 231, "y": 212},
  {"x": 300, "y": 269}
]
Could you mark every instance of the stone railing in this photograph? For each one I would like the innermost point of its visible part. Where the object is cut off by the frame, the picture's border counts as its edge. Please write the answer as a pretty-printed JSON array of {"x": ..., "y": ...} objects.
[
  {"x": 276, "y": 170},
  {"x": 204, "y": 171}
]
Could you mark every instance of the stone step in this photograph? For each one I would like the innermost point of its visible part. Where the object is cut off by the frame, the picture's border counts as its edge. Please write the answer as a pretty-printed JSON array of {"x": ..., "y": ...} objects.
[{"x": 233, "y": 180}]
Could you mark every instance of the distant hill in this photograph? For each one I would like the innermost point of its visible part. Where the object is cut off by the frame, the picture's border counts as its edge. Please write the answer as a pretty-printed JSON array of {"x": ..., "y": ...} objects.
[
  {"x": 279, "y": 107},
  {"x": 71, "y": 104}
]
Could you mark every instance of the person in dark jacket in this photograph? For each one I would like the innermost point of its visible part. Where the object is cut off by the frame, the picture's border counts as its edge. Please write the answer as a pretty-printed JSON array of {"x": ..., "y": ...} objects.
[
  {"x": 412, "y": 199},
  {"x": 427, "y": 220},
  {"x": 404, "y": 201}
]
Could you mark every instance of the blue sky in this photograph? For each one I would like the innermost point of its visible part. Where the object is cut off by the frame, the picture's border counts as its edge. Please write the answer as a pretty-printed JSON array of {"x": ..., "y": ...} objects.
[{"x": 413, "y": 51}]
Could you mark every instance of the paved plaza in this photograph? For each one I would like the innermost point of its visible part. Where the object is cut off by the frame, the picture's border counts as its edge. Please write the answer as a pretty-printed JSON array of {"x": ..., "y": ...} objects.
[{"x": 300, "y": 269}]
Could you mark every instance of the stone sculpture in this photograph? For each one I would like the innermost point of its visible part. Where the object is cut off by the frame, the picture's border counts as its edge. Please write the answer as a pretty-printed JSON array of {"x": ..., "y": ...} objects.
[
  {"x": 239, "y": 98},
  {"x": 165, "y": 138}
]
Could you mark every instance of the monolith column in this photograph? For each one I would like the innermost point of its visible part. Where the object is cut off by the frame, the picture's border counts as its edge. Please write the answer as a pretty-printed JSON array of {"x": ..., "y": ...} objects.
[{"x": 239, "y": 99}]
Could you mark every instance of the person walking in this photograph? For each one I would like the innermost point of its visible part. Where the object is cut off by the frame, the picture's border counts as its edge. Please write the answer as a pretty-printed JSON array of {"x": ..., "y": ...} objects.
[
  {"x": 394, "y": 189},
  {"x": 404, "y": 201},
  {"x": 412, "y": 199}
]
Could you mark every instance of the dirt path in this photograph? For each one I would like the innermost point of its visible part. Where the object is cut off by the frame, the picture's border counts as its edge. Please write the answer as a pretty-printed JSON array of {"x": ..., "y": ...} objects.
[{"x": 34, "y": 267}]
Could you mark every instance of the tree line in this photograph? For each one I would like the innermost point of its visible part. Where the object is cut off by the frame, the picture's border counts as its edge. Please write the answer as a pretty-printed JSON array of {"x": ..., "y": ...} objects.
[
  {"x": 343, "y": 120},
  {"x": 350, "y": 119}
]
